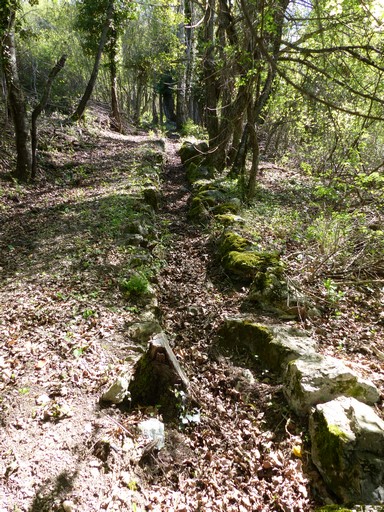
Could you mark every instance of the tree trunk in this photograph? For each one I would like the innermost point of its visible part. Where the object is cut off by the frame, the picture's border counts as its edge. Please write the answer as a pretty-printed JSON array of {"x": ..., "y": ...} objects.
[
  {"x": 254, "y": 147},
  {"x": 161, "y": 108},
  {"x": 116, "y": 117},
  {"x": 79, "y": 112},
  {"x": 209, "y": 68},
  {"x": 190, "y": 56},
  {"x": 155, "y": 115},
  {"x": 16, "y": 101},
  {"x": 39, "y": 108}
]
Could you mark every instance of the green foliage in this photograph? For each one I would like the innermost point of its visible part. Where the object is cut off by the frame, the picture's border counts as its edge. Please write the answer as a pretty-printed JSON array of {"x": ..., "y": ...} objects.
[
  {"x": 333, "y": 294},
  {"x": 136, "y": 285},
  {"x": 190, "y": 129},
  {"x": 332, "y": 232}
]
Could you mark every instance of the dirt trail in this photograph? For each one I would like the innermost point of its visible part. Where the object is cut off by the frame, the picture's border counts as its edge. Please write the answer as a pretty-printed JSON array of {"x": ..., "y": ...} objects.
[
  {"x": 243, "y": 446},
  {"x": 64, "y": 336}
]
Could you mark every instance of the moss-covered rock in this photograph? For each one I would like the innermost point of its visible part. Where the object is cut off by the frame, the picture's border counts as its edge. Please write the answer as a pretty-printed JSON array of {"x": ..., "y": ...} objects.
[
  {"x": 193, "y": 152},
  {"x": 229, "y": 219},
  {"x": 268, "y": 286},
  {"x": 153, "y": 197},
  {"x": 248, "y": 265},
  {"x": 197, "y": 211},
  {"x": 231, "y": 206},
  {"x": 212, "y": 196},
  {"x": 347, "y": 440},
  {"x": 197, "y": 172},
  {"x": 231, "y": 241},
  {"x": 274, "y": 346}
]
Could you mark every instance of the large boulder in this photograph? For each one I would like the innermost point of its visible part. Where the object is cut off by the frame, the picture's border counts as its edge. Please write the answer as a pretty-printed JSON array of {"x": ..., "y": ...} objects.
[
  {"x": 347, "y": 440},
  {"x": 315, "y": 379},
  {"x": 198, "y": 212},
  {"x": 273, "y": 346}
]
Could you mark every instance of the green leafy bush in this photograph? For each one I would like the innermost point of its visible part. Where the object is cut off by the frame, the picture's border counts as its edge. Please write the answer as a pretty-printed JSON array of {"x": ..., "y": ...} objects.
[{"x": 136, "y": 285}]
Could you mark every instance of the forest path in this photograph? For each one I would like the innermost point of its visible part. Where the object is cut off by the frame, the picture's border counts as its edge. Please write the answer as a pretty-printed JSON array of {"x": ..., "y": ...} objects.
[
  {"x": 64, "y": 330},
  {"x": 242, "y": 448}
]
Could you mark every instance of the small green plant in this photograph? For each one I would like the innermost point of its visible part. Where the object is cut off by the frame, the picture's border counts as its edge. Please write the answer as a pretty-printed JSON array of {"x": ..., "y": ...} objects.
[
  {"x": 88, "y": 313},
  {"x": 332, "y": 233},
  {"x": 187, "y": 416},
  {"x": 333, "y": 295},
  {"x": 137, "y": 284},
  {"x": 79, "y": 351},
  {"x": 24, "y": 391},
  {"x": 132, "y": 485}
]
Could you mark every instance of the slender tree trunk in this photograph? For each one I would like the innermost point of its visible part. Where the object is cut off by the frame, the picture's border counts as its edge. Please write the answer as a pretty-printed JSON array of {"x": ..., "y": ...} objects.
[
  {"x": 254, "y": 146},
  {"x": 16, "y": 101},
  {"x": 79, "y": 112},
  {"x": 209, "y": 68},
  {"x": 39, "y": 108},
  {"x": 5, "y": 96},
  {"x": 155, "y": 115},
  {"x": 161, "y": 108},
  {"x": 190, "y": 56},
  {"x": 116, "y": 117}
]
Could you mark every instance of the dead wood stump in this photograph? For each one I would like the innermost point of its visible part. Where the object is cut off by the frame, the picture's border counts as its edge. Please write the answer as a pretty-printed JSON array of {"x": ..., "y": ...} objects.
[{"x": 158, "y": 379}]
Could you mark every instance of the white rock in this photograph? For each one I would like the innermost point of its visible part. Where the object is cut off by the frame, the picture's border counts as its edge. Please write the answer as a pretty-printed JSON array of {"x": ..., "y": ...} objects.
[
  {"x": 42, "y": 400},
  {"x": 68, "y": 506},
  {"x": 347, "y": 440},
  {"x": 315, "y": 379},
  {"x": 117, "y": 391},
  {"x": 153, "y": 429}
]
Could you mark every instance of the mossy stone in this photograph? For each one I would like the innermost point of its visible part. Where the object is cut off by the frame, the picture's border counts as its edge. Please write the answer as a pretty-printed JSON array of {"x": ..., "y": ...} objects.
[
  {"x": 228, "y": 219},
  {"x": 267, "y": 286},
  {"x": 232, "y": 241},
  {"x": 247, "y": 265},
  {"x": 212, "y": 196},
  {"x": 193, "y": 152},
  {"x": 197, "y": 172},
  {"x": 152, "y": 197},
  {"x": 197, "y": 211},
  {"x": 274, "y": 346},
  {"x": 228, "y": 207}
]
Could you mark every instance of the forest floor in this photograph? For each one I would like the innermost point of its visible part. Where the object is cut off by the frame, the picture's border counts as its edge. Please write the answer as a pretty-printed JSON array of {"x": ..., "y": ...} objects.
[{"x": 64, "y": 329}]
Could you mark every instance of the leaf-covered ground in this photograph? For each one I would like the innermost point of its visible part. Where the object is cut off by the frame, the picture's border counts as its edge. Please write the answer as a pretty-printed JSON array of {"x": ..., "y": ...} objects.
[{"x": 65, "y": 333}]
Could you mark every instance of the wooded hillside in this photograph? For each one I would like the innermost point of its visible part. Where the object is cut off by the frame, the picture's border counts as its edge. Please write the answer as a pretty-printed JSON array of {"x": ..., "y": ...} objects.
[{"x": 191, "y": 255}]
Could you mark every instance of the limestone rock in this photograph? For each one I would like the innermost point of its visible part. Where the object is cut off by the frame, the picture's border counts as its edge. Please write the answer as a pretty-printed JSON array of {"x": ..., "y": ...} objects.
[
  {"x": 348, "y": 449},
  {"x": 144, "y": 330},
  {"x": 248, "y": 265},
  {"x": 117, "y": 392},
  {"x": 274, "y": 346},
  {"x": 153, "y": 429},
  {"x": 228, "y": 219},
  {"x": 197, "y": 172},
  {"x": 230, "y": 206},
  {"x": 231, "y": 241},
  {"x": 315, "y": 379},
  {"x": 197, "y": 211}
]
